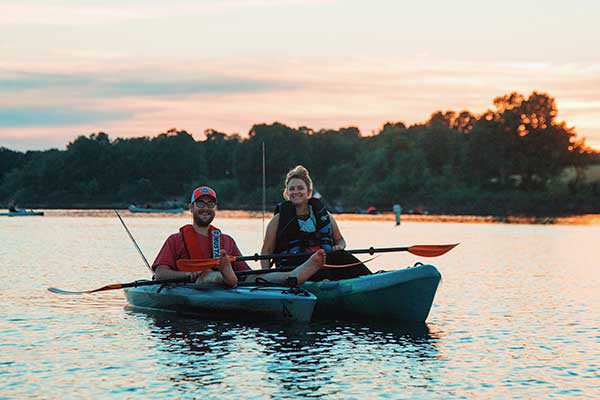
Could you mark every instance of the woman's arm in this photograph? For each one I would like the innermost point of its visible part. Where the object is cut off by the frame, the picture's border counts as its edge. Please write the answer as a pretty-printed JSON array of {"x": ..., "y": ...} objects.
[
  {"x": 338, "y": 240},
  {"x": 270, "y": 239}
]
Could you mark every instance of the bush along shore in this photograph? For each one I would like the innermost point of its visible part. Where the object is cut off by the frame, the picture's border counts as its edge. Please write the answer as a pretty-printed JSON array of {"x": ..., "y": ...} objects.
[{"x": 514, "y": 159}]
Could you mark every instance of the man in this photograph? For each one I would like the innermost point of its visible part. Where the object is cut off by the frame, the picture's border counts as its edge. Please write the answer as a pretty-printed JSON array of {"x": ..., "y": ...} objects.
[{"x": 201, "y": 240}]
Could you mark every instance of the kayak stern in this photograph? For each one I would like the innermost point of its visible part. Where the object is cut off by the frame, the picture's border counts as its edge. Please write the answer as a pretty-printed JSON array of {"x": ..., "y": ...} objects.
[{"x": 405, "y": 294}]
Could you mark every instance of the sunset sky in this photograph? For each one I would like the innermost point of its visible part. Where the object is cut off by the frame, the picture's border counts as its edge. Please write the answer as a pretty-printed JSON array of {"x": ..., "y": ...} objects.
[{"x": 133, "y": 68}]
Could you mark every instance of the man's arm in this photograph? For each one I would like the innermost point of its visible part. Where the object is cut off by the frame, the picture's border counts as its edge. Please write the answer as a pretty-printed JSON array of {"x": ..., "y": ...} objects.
[
  {"x": 165, "y": 272},
  {"x": 164, "y": 265}
]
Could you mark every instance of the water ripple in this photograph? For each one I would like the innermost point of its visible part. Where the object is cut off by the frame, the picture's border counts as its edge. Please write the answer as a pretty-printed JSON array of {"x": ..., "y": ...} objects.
[{"x": 516, "y": 316}]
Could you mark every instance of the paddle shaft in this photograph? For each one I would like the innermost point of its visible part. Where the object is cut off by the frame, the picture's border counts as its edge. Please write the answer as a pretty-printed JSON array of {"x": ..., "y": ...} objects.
[
  {"x": 257, "y": 257},
  {"x": 371, "y": 250},
  {"x": 185, "y": 279},
  {"x": 418, "y": 250}
]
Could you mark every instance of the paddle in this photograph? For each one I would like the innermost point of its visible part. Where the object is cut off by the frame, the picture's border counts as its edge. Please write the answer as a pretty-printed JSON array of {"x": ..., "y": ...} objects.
[
  {"x": 116, "y": 286},
  {"x": 419, "y": 250},
  {"x": 198, "y": 265}
]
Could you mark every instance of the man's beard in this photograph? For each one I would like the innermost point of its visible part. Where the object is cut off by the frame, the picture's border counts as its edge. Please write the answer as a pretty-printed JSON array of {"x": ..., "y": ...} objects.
[{"x": 202, "y": 221}]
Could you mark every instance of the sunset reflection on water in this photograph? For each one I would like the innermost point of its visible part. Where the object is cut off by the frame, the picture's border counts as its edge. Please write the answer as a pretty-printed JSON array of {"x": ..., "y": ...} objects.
[{"x": 516, "y": 315}]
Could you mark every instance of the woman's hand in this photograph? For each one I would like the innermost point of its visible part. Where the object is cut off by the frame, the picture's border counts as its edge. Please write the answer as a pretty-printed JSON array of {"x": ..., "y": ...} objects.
[
  {"x": 336, "y": 235},
  {"x": 338, "y": 247}
]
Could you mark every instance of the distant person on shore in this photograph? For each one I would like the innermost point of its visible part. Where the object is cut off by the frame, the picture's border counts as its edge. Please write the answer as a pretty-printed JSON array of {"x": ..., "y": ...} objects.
[
  {"x": 12, "y": 206},
  {"x": 201, "y": 240},
  {"x": 397, "y": 211},
  {"x": 303, "y": 224}
]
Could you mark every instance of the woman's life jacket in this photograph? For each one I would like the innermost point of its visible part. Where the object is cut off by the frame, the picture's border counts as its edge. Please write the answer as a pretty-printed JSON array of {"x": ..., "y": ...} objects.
[{"x": 291, "y": 239}]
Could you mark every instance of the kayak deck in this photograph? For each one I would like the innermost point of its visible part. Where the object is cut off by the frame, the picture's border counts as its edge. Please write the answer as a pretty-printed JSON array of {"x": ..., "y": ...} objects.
[
  {"x": 214, "y": 301},
  {"x": 406, "y": 294}
]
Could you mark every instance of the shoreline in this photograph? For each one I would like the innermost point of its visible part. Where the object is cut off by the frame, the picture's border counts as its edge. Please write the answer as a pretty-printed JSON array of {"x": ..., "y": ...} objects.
[{"x": 585, "y": 219}]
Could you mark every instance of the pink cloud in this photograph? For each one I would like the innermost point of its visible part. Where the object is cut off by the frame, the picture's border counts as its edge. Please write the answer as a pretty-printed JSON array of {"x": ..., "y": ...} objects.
[{"x": 362, "y": 92}]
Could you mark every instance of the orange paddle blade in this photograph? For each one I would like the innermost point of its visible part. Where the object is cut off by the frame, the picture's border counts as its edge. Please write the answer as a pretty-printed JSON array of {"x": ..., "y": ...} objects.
[
  {"x": 431, "y": 250},
  {"x": 199, "y": 264}
]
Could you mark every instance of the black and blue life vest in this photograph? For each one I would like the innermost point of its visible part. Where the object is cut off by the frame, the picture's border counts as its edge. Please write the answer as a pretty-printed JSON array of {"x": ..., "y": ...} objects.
[{"x": 290, "y": 239}]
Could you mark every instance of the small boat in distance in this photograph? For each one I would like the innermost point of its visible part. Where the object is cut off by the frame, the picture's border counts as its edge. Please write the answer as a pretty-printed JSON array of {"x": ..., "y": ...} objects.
[
  {"x": 135, "y": 209},
  {"x": 22, "y": 213}
]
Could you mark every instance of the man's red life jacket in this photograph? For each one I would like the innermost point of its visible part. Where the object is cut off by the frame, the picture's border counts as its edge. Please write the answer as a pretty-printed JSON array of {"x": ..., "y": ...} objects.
[{"x": 192, "y": 244}]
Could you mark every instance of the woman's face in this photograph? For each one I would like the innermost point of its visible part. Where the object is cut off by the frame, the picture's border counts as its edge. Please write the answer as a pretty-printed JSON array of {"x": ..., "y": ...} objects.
[{"x": 297, "y": 191}]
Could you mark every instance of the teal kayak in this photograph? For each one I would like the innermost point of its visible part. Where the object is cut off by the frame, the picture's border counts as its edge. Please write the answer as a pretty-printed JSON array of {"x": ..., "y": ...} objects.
[
  {"x": 22, "y": 213},
  {"x": 215, "y": 301},
  {"x": 406, "y": 294},
  {"x": 135, "y": 209}
]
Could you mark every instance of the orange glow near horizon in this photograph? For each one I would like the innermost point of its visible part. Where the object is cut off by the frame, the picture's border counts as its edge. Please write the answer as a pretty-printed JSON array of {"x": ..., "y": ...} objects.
[{"x": 138, "y": 78}]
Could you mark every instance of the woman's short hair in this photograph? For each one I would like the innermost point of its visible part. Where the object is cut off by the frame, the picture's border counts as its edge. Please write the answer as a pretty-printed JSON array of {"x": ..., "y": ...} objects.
[{"x": 298, "y": 172}]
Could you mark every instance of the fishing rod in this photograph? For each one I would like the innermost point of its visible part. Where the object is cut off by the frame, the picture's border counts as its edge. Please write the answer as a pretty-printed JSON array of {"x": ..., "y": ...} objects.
[
  {"x": 264, "y": 190},
  {"x": 133, "y": 240}
]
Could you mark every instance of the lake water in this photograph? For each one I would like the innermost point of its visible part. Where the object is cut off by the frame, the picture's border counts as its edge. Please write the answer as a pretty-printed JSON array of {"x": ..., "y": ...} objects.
[{"x": 517, "y": 316}]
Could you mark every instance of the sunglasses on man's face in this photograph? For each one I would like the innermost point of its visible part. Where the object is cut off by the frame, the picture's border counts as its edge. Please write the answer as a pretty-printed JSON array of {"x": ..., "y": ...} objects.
[{"x": 205, "y": 204}]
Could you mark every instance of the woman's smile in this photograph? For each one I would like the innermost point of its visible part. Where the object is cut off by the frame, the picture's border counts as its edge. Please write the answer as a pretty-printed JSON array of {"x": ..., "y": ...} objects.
[{"x": 297, "y": 191}]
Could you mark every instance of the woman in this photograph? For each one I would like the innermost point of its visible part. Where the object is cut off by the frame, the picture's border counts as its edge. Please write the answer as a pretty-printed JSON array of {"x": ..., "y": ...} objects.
[{"x": 303, "y": 224}]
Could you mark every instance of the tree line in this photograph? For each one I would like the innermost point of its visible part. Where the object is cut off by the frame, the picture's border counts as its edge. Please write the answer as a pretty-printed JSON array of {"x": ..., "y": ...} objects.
[{"x": 509, "y": 160}]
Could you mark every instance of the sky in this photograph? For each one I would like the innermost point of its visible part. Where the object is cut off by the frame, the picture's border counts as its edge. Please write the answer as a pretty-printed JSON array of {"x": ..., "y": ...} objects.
[{"x": 139, "y": 68}]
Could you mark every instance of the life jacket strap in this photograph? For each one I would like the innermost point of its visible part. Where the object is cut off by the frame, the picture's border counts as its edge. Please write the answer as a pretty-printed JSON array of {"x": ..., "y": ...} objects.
[{"x": 192, "y": 245}]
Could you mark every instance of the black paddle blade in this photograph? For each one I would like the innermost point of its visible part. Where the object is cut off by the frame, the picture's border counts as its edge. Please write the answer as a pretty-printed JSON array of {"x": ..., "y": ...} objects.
[
  {"x": 108, "y": 287},
  {"x": 116, "y": 286},
  {"x": 60, "y": 291}
]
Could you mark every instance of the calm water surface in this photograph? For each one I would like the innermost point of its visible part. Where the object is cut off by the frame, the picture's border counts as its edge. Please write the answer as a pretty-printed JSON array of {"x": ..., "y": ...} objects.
[{"x": 517, "y": 315}]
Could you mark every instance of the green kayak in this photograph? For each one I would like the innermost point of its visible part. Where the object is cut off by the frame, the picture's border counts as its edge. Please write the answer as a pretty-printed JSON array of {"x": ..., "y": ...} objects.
[
  {"x": 406, "y": 294},
  {"x": 214, "y": 301},
  {"x": 135, "y": 209},
  {"x": 22, "y": 213}
]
